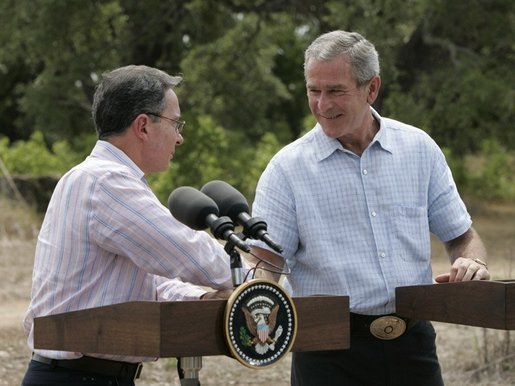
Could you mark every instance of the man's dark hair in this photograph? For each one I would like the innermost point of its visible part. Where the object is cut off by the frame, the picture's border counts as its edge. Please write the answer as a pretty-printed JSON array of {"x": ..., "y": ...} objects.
[{"x": 126, "y": 92}]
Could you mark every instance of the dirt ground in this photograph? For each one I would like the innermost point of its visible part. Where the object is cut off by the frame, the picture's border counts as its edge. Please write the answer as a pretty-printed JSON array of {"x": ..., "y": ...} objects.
[{"x": 468, "y": 355}]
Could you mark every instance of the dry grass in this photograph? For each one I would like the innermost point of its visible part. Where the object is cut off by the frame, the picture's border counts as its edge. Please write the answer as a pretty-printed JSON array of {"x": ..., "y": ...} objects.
[
  {"x": 469, "y": 355},
  {"x": 18, "y": 220}
]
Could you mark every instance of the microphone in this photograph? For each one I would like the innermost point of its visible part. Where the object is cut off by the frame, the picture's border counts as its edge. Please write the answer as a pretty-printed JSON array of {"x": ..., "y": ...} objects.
[
  {"x": 196, "y": 210},
  {"x": 233, "y": 204}
]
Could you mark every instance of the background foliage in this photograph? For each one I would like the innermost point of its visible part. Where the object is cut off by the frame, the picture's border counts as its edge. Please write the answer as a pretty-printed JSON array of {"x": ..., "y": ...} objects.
[{"x": 447, "y": 67}]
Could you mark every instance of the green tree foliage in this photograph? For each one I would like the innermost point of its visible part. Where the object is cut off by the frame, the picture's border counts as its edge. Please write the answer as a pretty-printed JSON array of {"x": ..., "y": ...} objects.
[
  {"x": 493, "y": 178},
  {"x": 454, "y": 73},
  {"x": 447, "y": 67},
  {"x": 33, "y": 157},
  {"x": 62, "y": 46},
  {"x": 241, "y": 63}
]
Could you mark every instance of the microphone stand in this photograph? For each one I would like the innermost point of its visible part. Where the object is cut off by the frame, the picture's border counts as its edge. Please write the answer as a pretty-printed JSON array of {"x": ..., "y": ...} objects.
[
  {"x": 236, "y": 265},
  {"x": 189, "y": 367}
]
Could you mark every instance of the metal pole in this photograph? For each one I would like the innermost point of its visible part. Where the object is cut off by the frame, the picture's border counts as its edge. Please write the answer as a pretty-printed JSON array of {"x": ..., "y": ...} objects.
[{"x": 188, "y": 368}]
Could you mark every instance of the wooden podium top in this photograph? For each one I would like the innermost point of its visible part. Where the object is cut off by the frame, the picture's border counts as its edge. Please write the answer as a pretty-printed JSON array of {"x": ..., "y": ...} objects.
[
  {"x": 181, "y": 329},
  {"x": 489, "y": 304}
]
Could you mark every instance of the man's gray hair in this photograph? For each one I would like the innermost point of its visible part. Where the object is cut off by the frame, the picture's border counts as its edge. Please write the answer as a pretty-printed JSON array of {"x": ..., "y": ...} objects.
[{"x": 362, "y": 54}]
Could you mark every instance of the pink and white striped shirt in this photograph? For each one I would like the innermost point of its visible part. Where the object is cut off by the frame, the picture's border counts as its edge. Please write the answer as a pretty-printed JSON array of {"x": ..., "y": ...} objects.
[{"x": 107, "y": 239}]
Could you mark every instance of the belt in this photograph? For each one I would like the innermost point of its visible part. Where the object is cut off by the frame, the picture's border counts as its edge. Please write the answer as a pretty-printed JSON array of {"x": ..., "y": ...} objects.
[
  {"x": 95, "y": 365},
  {"x": 385, "y": 327}
]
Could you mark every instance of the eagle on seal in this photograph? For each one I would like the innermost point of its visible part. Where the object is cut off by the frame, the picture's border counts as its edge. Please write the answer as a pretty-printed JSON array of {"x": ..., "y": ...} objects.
[{"x": 260, "y": 326}]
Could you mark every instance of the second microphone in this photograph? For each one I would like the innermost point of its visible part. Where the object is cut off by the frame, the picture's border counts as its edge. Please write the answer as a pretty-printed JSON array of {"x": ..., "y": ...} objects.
[{"x": 233, "y": 204}]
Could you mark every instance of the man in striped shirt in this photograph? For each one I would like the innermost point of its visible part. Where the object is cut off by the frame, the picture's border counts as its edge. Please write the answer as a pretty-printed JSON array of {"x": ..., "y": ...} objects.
[{"x": 107, "y": 239}]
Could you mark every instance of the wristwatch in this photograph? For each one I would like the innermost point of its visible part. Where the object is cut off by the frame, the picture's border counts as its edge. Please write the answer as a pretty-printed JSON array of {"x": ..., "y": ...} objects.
[{"x": 481, "y": 262}]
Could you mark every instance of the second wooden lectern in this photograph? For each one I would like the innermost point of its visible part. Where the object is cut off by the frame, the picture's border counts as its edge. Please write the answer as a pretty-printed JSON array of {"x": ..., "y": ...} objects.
[{"x": 489, "y": 304}]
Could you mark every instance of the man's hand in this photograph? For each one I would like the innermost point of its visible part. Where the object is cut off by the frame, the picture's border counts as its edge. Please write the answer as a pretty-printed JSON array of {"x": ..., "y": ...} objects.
[
  {"x": 217, "y": 295},
  {"x": 464, "y": 269}
]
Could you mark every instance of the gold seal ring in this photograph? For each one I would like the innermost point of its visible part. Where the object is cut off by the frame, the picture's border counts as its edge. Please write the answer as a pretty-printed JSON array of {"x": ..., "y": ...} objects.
[
  {"x": 387, "y": 327},
  {"x": 260, "y": 323}
]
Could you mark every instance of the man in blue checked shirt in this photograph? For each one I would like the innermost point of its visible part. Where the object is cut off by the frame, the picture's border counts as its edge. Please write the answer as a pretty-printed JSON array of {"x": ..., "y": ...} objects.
[
  {"x": 353, "y": 203},
  {"x": 107, "y": 239}
]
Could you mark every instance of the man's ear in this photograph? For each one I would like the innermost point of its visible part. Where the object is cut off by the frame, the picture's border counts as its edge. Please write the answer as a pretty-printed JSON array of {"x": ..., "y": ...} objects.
[
  {"x": 139, "y": 126},
  {"x": 373, "y": 89}
]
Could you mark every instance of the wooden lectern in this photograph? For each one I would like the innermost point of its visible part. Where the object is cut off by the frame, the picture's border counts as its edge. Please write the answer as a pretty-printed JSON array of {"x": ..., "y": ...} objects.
[
  {"x": 181, "y": 329},
  {"x": 489, "y": 304}
]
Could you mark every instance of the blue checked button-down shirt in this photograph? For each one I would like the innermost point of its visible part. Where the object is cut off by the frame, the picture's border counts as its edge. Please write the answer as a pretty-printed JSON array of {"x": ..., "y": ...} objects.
[
  {"x": 360, "y": 226},
  {"x": 106, "y": 239}
]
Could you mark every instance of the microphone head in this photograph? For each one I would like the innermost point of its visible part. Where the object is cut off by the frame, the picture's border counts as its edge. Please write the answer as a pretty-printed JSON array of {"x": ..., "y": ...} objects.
[
  {"x": 229, "y": 200},
  {"x": 191, "y": 207}
]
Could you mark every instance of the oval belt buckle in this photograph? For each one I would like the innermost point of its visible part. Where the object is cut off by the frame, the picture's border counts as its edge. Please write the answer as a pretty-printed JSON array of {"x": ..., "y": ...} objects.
[{"x": 387, "y": 327}]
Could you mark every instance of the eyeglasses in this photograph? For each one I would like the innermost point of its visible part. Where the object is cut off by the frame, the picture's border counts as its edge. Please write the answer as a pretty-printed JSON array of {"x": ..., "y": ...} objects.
[{"x": 179, "y": 125}]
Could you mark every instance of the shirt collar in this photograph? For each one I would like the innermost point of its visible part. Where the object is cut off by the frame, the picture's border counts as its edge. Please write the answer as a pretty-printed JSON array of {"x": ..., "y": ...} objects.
[
  {"x": 383, "y": 136},
  {"x": 327, "y": 146},
  {"x": 106, "y": 150}
]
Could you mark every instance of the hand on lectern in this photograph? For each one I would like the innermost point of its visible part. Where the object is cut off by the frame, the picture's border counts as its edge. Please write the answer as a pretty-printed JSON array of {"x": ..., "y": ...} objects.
[
  {"x": 465, "y": 269},
  {"x": 217, "y": 295}
]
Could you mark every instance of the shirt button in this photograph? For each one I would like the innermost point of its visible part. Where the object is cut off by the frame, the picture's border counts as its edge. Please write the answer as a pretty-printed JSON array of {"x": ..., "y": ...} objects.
[
  {"x": 373, "y": 214},
  {"x": 382, "y": 254},
  {"x": 365, "y": 172}
]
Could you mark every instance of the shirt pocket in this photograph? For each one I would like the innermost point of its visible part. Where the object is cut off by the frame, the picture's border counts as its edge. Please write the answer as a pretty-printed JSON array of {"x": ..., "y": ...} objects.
[{"x": 411, "y": 238}]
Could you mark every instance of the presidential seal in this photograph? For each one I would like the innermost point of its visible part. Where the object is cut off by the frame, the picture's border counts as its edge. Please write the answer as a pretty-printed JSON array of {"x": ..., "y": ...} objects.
[{"x": 260, "y": 323}]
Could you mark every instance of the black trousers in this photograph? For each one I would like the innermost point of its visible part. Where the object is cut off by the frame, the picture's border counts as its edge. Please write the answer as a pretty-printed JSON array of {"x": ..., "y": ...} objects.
[
  {"x": 40, "y": 374},
  {"x": 408, "y": 360}
]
